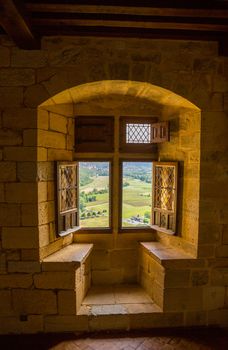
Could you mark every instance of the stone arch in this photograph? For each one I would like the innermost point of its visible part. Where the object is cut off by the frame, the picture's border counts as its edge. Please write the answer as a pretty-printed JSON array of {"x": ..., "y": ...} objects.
[{"x": 55, "y": 141}]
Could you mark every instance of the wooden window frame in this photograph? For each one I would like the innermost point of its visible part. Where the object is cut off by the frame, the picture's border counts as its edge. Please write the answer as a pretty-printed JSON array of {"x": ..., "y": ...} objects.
[
  {"x": 167, "y": 213},
  {"x": 92, "y": 230},
  {"x": 62, "y": 215},
  {"x": 152, "y": 227},
  {"x": 122, "y": 229}
]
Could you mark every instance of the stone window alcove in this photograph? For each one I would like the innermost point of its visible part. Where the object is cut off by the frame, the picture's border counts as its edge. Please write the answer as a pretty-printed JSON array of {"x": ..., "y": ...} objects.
[{"x": 115, "y": 255}]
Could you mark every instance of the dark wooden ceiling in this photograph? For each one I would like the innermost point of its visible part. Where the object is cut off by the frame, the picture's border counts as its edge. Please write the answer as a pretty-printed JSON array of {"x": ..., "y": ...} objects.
[{"x": 28, "y": 20}]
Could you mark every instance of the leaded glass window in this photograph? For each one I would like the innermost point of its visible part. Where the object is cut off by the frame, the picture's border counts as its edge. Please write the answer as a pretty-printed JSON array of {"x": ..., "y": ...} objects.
[
  {"x": 67, "y": 196},
  {"x": 164, "y": 195}
]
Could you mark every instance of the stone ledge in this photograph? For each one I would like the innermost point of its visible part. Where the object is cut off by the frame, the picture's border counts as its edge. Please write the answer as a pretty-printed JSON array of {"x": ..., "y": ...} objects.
[
  {"x": 165, "y": 255},
  {"x": 68, "y": 258}
]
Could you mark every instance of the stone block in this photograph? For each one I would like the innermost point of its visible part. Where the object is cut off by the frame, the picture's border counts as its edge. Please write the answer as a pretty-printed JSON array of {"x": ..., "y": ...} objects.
[
  {"x": 30, "y": 254},
  {"x": 119, "y": 71},
  {"x": 51, "y": 190},
  {"x": 43, "y": 119},
  {"x": 195, "y": 318},
  {"x": 35, "y": 95},
  {"x": 58, "y": 123},
  {"x": 5, "y": 56},
  {"x": 5, "y": 301},
  {"x": 27, "y": 171},
  {"x": 46, "y": 212},
  {"x": 183, "y": 299},
  {"x": 24, "y": 154},
  {"x": 79, "y": 289},
  {"x": 218, "y": 317},
  {"x": 21, "y": 192},
  {"x": 222, "y": 251},
  {"x": 10, "y": 215},
  {"x": 7, "y": 171},
  {"x": 100, "y": 259},
  {"x": 30, "y": 137},
  {"x": 44, "y": 235},
  {"x": 45, "y": 171},
  {"x": 206, "y": 251},
  {"x": 66, "y": 323},
  {"x": 177, "y": 278},
  {"x": 11, "y": 96},
  {"x": 34, "y": 324},
  {"x": 66, "y": 302},
  {"x": 51, "y": 139},
  {"x": 25, "y": 267},
  {"x": 200, "y": 277},
  {"x": 109, "y": 322},
  {"x": 28, "y": 58},
  {"x": 213, "y": 298},
  {"x": 29, "y": 214},
  {"x": 19, "y": 237},
  {"x": 20, "y": 118},
  {"x": 17, "y": 280},
  {"x": 59, "y": 154},
  {"x": 220, "y": 83},
  {"x": 2, "y": 193},
  {"x": 42, "y": 191},
  {"x": 52, "y": 247},
  {"x": 124, "y": 258},
  {"x": 209, "y": 233},
  {"x": 17, "y": 77},
  {"x": 41, "y": 154},
  {"x": 34, "y": 301},
  {"x": 10, "y": 137},
  {"x": 112, "y": 276},
  {"x": 219, "y": 276},
  {"x": 156, "y": 320},
  {"x": 3, "y": 263},
  {"x": 55, "y": 280}
]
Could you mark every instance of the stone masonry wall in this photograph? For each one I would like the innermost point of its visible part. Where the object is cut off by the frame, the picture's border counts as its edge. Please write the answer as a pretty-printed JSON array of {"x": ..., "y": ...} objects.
[{"x": 28, "y": 78}]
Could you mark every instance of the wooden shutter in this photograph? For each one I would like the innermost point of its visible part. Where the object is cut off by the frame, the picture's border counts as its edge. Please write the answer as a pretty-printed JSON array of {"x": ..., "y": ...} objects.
[
  {"x": 94, "y": 134},
  {"x": 67, "y": 195},
  {"x": 160, "y": 132},
  {"x": 164, "y": 196}
]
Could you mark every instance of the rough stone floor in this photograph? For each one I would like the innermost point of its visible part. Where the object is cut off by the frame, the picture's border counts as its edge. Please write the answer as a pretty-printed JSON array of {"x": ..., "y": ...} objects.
[
  {"x": 187, "y": 339},
  {"x": 117, "y": 299}
]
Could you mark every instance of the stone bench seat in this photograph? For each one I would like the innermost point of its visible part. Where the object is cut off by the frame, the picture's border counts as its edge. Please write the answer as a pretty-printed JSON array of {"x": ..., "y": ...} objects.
[
  {"x": 164, "y": 255},
  {"x": 68, "y": 258}
]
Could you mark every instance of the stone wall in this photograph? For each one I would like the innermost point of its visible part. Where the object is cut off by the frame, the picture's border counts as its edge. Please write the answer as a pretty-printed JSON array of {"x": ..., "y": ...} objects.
[{"x": 192, "y": 70}]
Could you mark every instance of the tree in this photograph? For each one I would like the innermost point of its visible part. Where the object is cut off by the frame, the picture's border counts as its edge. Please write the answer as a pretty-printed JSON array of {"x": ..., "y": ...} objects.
[{"x": 147, "y": 215}]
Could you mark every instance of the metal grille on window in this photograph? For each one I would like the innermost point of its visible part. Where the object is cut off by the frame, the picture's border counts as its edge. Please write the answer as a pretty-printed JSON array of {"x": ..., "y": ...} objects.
[
  {"x": 67, "y": 197},
  {"x": 138, "y": 133},
  {"x": 164, "y": 195}
]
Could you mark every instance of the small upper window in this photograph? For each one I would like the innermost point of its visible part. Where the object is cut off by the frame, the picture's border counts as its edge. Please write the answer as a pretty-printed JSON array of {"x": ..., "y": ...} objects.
[
  {"x": 138, "y": 133},
  {"x": 142, "y": 134}
]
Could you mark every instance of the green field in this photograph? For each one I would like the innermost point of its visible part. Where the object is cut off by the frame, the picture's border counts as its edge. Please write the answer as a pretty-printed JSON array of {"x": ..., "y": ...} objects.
[
  {"x": 136, "y": 202},
  {"x": 94, "y": 212}
]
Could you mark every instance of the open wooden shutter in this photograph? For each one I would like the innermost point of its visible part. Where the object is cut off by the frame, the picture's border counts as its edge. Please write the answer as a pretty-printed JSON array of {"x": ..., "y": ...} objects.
[
  {"x": 160, "y": 132},
  {"x": 164, "y": 196},
  {"x": 67, "y": 194},
  {"x": 94, "y": 134}
]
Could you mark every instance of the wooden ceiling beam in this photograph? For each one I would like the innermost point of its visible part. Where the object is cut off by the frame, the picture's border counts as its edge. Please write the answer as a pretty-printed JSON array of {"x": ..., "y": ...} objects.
[
  {"x": 57, "y": 22},
  {"x": 147, "y": 11},
  {"x": 16, "y": 25}
]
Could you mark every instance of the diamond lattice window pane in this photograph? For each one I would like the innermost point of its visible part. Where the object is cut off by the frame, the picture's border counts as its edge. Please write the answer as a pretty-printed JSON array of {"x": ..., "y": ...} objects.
[
  {"x": 68, "y": 191},
  {"x": 138, "y": 133},
  {"x": 164, "y": 188}
]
